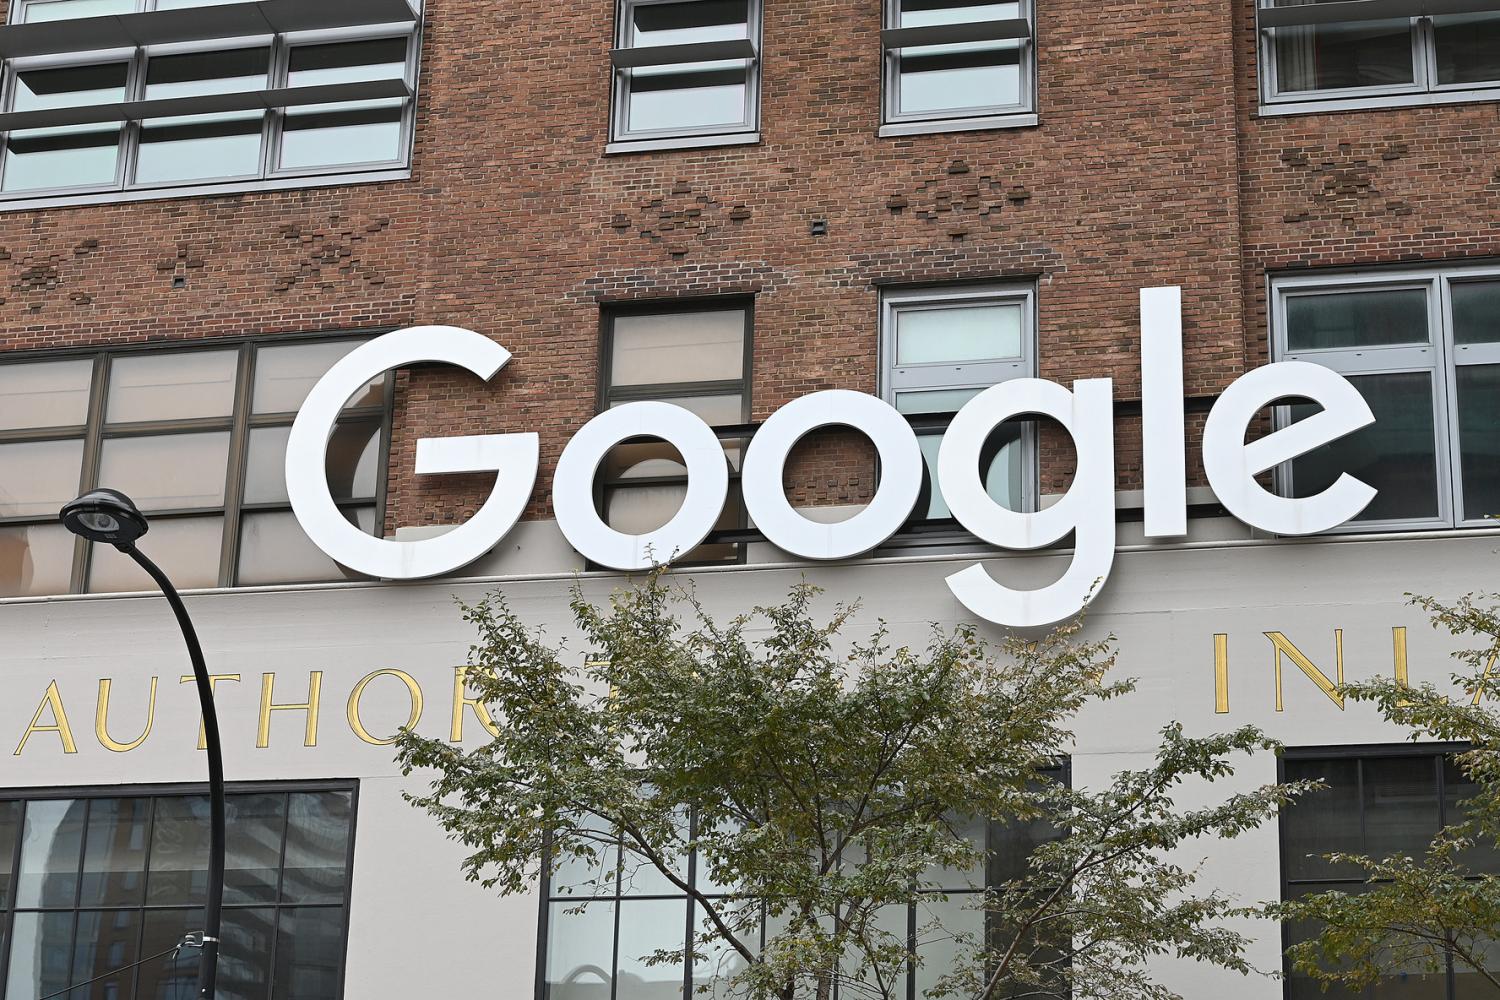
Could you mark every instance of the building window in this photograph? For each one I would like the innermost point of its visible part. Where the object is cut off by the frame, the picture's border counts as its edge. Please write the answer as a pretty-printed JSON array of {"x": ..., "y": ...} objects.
[
  {"x": 95, "y": 884},
  {"x": 1379, "y": 801},
  {"x": 941, "y": 348},
  {"x": 321, "y": 90},
  {"x": 603, "y": 918},
  {"x": 1423, "y": 348},
  {"x": 197, "y": 437},
  {"x": 1352, "y": 55},
  {"x": 687, "y": 73},
  {"x": 957, "y": 64},
  {"x": 696, "y": 357}
]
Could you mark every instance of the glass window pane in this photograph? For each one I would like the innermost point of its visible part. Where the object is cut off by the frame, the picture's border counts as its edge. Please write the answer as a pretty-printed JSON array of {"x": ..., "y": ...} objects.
[
  {"x": 1476, "y": 312},
  {"x": 179, "y": 851},
  {"x": 171, "y": 386},
  {"x": 955, "y": 334},
  {"x": 678, "y": 347},
  {"x": 203, "y": 146},
  {"x": 317, "y": 847},
  {"x": 672, "y": 97},
  {"x": 946, "y": 929},
  {"x": 353, "y": 462},
  {"x": 35, "y": 561},
  {"x": 245, "y": 955},
  {"x": 681, "y": 23},
  {"x": 580, "y": 950},
  {"x": 1334, "y": 320},
  {"x": 1479, "y": 438},
  {"x": 935, "y": 401},
  {"x": 959, "y": 77},
  {"x": 39, "y": 477},
  {"x": 1396, "y": 454},
  {"x": 186, "y": 548},
  {"x": 285, "y": 375},
  {"x": 1001, "y": 459},
  {"x": 641, "y": 509},
  {"x": 579, "y": 876},
  {"x": 10, "y": 830},
  {"x": 648, "y": 926},
  {"x": 173, "y": 978},
  {"x": 106, "y": 946},
  {"x": 51, "y": 850},
  {"x": 58, "y": 10},
  {"x": 274, "y": 549},
  {"x": 1468, "y": 48},
  {"x": 889, "y": 925},
  {"x": 716, "y": 411},
  {"x": 1401, "y": 805},
  {"x": 310, "y": 953},
  {"x": 1458, "y": 793},
  {"x": 167, "y": 471},
  {"x": 49, "y": 394},
  {"x": 921, "y": 13},
  {"x": 1323, "y": 822},
  {"x": 41, "y": 954},
  {"x": 69, "y": 155},
  {"x": 1344, "y": 56},
  {"x": 717, "y": 962},
  {"x": 357, "y": 132},
  {"x": 253, "y": 850},
  {"x": 114, "y": 854}
]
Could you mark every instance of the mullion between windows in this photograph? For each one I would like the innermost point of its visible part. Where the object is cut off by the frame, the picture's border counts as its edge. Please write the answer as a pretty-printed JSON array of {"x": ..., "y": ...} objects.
[{"x": 234, "y": 477}]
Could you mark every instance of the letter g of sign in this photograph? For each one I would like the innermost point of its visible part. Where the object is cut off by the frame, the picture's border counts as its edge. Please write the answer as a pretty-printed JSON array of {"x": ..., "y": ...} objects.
[{"x": 514, "y": 456}]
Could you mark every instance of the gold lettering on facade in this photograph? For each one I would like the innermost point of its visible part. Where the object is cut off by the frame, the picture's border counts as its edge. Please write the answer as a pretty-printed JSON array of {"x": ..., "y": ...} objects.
[
  {"x": 415, "y": 692},
  {"x": 310, "y": 706},
  {"x": 461, "y": 700},
  {"x": 101, "y": 719},
  {"x": 1284, "y": 647},
  {"x": 1221, "y": 674},
  {"x": 53, "y": 700},
  {"x": 1398, "y": 655},
  {"x": 213, "y": 684}
]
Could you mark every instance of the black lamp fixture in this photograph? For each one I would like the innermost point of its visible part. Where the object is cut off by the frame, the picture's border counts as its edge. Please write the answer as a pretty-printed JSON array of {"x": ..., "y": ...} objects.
[{"x": 111, "y": 517}]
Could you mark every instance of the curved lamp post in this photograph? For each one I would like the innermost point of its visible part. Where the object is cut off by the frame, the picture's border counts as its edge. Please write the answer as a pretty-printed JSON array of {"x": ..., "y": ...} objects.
[{"x": 110, "y": 516}]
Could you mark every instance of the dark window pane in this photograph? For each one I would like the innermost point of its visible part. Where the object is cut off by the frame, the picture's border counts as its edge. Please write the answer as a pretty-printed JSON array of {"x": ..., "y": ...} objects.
[
  {"x": 48, "y": 394},
  {"x": 1396, "y": 454},
  {"x": 70, "y": 155},
  {"x": 51, "y": 850},
  {"x": 172, "y": 977},
  {"x": 317, "y": 847},
  {"x": 1479, "y": 438},
  {"x": 179, "y": 851},
  {"x": 579, "y": 966},
  {"x": 1484, "y": 856},
  {"x": 10, "y": 831},
  {"x": 106, "y": 943},
  {"x": 358, "y": 132},
  {"x": 203, "y": 146},
  {"x": 245, "y": 961},
  {"x": 39, "y": 477},
  {"x": 1344, "y": 56},
  {"x": 310, "y": 953},
  {"x": 35, "y": 561},
  {"x": 1476, "y": 312},
  {"x": 252, "y": 867},
  {"x": 1356, "y": 319},
  {"x": 1322, "y": 822},
  {"x": 1468, "y": 48},
  {"x": 114, "y": 856},
  {"x": 41, "y": 954},
  {"x": 1401, "y": 805}
]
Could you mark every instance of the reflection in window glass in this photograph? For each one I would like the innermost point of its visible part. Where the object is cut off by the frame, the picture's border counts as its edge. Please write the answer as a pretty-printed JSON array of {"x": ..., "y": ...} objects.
[
  {"x": 50, "y": 850},
  {"x": 357, "y": 132},
  {"x": 46, "y": 394},
  {"x": 646, "y": 926},
  {"x": 579, "y": 946},
  {"x": 105, "y": 948},
  {"x": 1345, "y": 56},
  {"x": 39, "y": 476},
  {"x": 255, "y": 825},
  {"x": 1468, "y": 48},
  {"x": 35, "y": 560},
  {"x": 194, "y": 147},
  {"x": 167, "y": 471},
  {"x": 69, "y": 155},
  {"x": 186, "y": 548},
  {"x": 310, "y": 953},
  {"x": 171, "y": 386},
  {"x": 41, "y": 953},
  {"x": 1379, "y": 318},
  {"x": 114, "y": 854},
  {"x": 317, "y": 847}
]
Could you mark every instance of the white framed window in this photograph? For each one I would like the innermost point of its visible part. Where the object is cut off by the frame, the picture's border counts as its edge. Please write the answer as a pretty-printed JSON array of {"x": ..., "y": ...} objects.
[
  {"x": 201, "y": 98},
  {"x": 1342, "y": 54},
  {"x": 1423, "y": 348},
  {"x": 941, "y": 347},
  {"x": 686, "y": 72},
  {"x": 954, "y": 65}
]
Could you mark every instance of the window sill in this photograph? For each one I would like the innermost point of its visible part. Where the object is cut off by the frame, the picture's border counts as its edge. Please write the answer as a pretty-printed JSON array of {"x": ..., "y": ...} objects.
[
  {"x": 986, "y": 123},
  {"x": 1376, "y": 103},
  {"x": 20, "y": 203},
  {"x": 681, "y": 142}
]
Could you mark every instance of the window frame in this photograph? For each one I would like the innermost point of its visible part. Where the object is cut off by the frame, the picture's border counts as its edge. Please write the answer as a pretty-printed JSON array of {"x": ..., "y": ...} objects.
[
  {"x": 239, "y": 424},
  {"x": 894, "y": 299},
  {"x": 1440, "y": 356},
  {"x": 270, "y": 176},
  {"x": 993, "y": 116},
  {"x": 1423, "y": 90},
  {"x": 154, "y": 792},
  {"x": 623, "y": 140}
]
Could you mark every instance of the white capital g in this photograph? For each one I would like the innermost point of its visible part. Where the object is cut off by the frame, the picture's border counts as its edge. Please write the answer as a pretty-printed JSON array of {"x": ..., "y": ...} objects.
[{"x": 514, "y": 456}]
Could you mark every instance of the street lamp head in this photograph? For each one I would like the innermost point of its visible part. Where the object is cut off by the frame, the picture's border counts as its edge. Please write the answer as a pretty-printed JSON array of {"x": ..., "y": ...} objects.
[{"x": 105, "y": 516}]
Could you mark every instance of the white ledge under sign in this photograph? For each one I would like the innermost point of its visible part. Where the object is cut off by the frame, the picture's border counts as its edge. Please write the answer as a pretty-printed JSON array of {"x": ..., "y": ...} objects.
[{"x": 1086, "y": 510}]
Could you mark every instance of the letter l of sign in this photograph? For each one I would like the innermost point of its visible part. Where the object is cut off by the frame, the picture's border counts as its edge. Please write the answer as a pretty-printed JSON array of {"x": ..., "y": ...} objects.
[{"x": 1163, "y": 424}]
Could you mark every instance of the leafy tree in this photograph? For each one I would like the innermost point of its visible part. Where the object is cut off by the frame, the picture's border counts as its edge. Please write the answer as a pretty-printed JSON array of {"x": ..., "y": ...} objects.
[
  {"x": 1415, "y": 914},
  {"x": 822, "y": 781}
]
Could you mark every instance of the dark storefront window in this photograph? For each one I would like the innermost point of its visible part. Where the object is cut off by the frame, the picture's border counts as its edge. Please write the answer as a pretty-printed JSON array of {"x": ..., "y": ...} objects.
[{"x": 93, "y": 885}]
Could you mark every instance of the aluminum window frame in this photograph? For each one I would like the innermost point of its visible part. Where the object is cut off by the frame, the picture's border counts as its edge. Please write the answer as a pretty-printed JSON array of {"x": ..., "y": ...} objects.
[
  {"x": 623, "y": 139},
  {"x": 89, "y": 794},
  {"x": 1022, "y": 113},
  {"x": 270, "y": 175},
  {"x": 238, "y": 424},
  {"x": 1424, "y": 88},
  {"x": 982, "y": 374},
  {"x": 1440, "y": 356}
]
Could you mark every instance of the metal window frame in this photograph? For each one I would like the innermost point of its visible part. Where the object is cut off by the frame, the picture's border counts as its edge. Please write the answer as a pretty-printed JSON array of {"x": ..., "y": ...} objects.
[
  {"x": 270, "y": 175},
  {"x": 978, "y": 374},
  {"x": 622, "y": 137},
  {"x": 92, "y": 793},
  {"x": 239, "y": 424},
  {"x": 1424, "y": 87},
  {"x": 1441, "y": 356},
  {"x": 950, "y": 119}
]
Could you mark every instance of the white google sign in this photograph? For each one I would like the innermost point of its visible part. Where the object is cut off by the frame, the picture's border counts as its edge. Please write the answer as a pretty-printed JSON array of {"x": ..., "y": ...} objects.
[{"x": 1087, "y": 510}]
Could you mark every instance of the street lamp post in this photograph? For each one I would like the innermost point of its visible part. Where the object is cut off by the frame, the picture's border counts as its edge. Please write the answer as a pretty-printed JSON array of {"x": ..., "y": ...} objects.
[{"x": 110, "y": 516}]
